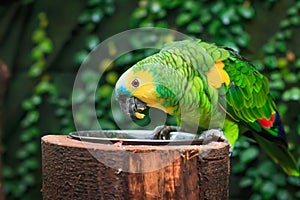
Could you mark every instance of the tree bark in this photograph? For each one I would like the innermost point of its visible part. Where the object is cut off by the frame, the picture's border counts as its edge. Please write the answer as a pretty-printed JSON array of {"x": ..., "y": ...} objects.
[
  {"x": 74, "y": 169},
  {"x": 4, "y": 75}
]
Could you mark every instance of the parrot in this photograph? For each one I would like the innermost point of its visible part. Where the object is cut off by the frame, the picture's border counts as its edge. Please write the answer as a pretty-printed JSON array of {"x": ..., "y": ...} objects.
[{"x": 209, "y": 87}]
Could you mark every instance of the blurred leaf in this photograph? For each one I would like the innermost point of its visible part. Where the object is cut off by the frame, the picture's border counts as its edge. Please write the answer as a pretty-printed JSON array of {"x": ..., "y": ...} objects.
[
  {"x": 217, "y": 7},
  {"x": 155, "y": 7},
  {"x": 80, "y": 56},
  {"x": 228, "y": 16},
  {"x": 96, "y": 15},
  {"x": 105, "y": 91},
  {"x": 112, "y": 77},
  {"x": 246, "y": 12},
  {"x": 183, "y": 18},
  {"x": 290, "y": 78},
  {"x": 46, "y": 45},
  {"x": 45, "y": 87},
  {"x": 38, "y": 35},
  {"x": 295, "y": 20},
  {"x": 270, "y": 61},
  {"x": 245, "y": 182},
  {"x": 281, "y": 46},
  {"x": 292, "y": 11},
  {"x": 28, "y": 179},
  {"x": 243, "y": 40},
  {"x": 78, "y": 96},
  {"x": 266, "y": 169},
  {"x": 139, "y": 13},
  {"x": 293, "y": 180},
  {"x": 238, "y": 168},
  {"x": 30, "y": 118},
  {"x": 255, "y": 197},
  {"x": 283, "y": 194},
  {"x": 297, "y": 63},
  {"x": 291, "y": 94},
  {"x": 278, "y": 179},
  {"x": 214, "y": 27},
  {"x": 92, "y": 41},
  {"x": 268, "y": 189},
  {"x": 249, "y": 154},
  {"x": 269, "y": 48},
  {"x": 194, "y": 27}
]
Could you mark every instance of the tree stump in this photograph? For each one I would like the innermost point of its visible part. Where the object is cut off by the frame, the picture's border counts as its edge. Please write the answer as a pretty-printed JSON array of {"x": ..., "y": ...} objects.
[{"x": 74, "y": 169}]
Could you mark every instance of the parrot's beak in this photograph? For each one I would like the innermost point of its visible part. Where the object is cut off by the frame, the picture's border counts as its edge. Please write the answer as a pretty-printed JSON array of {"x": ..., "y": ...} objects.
[{"x": 132, "y": 107}]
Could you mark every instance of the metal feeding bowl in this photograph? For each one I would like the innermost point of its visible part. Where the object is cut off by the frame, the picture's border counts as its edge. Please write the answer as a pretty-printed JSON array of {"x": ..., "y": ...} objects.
[{"x": 135, "y": 137}]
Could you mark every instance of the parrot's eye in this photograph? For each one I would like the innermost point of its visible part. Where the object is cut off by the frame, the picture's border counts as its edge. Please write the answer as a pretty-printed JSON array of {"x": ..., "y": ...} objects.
[{"x": 135, "y": 83}]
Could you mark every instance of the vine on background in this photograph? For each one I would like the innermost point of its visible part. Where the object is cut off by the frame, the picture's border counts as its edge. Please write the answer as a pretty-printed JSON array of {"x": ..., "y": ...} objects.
[{"x": 28, "y": 148}]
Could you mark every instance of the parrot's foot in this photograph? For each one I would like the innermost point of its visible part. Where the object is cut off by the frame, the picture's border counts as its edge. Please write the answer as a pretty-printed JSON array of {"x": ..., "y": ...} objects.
[
  {"x": 163, "y": 132},
  {"x": 215, "y": 135}
]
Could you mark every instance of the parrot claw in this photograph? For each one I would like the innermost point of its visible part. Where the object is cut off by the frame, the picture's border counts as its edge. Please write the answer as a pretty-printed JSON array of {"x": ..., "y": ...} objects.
[
  {"x": 215, "y": 135},
  {"x": 163, "y": 132}
]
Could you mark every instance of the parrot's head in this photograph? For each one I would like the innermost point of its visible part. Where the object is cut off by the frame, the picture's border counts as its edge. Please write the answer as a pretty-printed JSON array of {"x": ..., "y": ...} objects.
[{"x": 138, "y": 89}]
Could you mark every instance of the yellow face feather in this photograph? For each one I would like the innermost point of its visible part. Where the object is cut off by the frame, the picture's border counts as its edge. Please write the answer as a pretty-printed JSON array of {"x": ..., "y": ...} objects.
[{"x": 142, "y": 85}]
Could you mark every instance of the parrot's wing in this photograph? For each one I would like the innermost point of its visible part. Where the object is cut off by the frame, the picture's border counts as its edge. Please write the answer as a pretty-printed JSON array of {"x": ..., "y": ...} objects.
[
  {"x": 249, "y": 102},
  {"x": 248, "y": 98}
]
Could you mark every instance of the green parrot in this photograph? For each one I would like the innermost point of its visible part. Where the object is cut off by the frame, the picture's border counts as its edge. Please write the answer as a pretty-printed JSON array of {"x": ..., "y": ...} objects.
[{"x": 207, "y": 87}]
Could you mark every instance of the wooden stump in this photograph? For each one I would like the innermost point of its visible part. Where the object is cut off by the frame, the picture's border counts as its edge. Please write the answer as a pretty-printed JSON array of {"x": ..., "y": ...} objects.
[{"x": 74, "y": 169}]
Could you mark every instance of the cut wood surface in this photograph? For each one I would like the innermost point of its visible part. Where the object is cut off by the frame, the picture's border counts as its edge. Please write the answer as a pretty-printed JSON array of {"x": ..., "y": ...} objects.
[{"x": 74, "y": 169}]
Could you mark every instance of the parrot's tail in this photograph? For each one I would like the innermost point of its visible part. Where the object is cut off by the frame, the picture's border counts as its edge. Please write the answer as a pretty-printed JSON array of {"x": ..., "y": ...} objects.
[
  {"x": 280, "y": 154},
  {"x": 272, "y": 138}
]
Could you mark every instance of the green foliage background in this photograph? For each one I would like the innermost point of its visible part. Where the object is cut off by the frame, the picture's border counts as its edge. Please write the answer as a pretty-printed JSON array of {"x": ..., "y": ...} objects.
[{"x": 44, "y": 42}]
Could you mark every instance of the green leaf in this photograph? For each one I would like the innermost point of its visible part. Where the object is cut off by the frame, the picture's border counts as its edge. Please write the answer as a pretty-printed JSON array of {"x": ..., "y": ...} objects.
[
  {"x": 290, "y": 77},
  {"x": 139, "y": 13},
  {"x": 183, "y": 19},
  {"x": 112, "y": 77},
  {"x": 105, "y": 91},
  {"x": 268, "y": 189},
  {"x": 228, "y": 16},
  {"x": 217, "y": 7},
  {"x": 271, "y": 61},
  {"x": 284, "y": 23},
  {"x": 155, "y": 7},
  {"x": 80, "y": 57},
  {"x": 266, "y": 169},
  {"x": 237, "y": 29},
  {"x": 46, "y": 45},
  {"x": 249, "y": 154},
  {"x": 195, "y": 27},
  {"x": 92, "y": 41},
  {"x": 281, "y": 46},
  {"x": 245, "y": 182},
  {"x": 292, "y": 94},
  {"x": 30, "y": 118},
  {"x": 295, "y": 20},
  {"x": 38, "y": 35},
  {"x": 279, "y": 179},
  {"x": 96, "y": 15},
  {"x": 255, "y": 196},
  {"x": 246, "y": 12},
  {"x": 45, "y": 87},
  {"x": 243, "y": 40},
  {"x": 297, "y": 63},
  {"x": 214, "y": 27},
  {"x": 283, "y": 194},
  {"x": 293, "y": 180},
  {"x": 238, "y": 168},
  {"x": 292, "y": 11},
  {"x": 269, "y": 48}
]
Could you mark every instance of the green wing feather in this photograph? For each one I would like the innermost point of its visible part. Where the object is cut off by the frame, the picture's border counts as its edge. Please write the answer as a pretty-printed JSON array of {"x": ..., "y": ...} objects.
[{"x": 248, "y": 99}]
